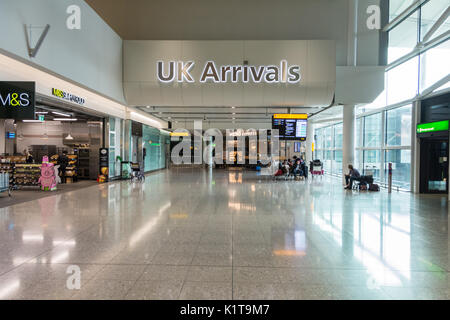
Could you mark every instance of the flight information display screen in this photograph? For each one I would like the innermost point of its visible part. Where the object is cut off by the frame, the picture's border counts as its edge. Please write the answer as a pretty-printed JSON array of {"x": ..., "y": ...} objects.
[{"x": 291, "y": 126}]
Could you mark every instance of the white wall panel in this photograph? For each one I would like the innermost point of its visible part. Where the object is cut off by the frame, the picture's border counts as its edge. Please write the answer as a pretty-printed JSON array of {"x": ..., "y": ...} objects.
[{"x": 316, "y": 58}]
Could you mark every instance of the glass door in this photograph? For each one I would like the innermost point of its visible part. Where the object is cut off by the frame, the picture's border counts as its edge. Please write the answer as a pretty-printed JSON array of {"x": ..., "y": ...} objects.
[{"x": 434, "y": 166}]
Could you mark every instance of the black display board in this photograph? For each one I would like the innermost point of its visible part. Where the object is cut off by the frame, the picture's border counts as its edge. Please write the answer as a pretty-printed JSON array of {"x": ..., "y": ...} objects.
[
  {"x": 104, "y": 164},
  {"x": 17, "y": 100},
  {"x": 290, "y": 129}
]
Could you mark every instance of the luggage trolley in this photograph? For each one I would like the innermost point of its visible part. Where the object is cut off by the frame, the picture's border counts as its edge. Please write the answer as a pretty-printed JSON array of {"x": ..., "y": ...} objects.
[
  {"x": 316, "y": 168},
  {"x": 136, "y": 172}
]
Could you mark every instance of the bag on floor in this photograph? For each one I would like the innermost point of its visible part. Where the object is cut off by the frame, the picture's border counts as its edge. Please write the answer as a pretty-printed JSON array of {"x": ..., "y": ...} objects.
[
  {"x": 278, "y": 173},
  {"x": 374, "y": 187},
  {"x": 363, "y": 187}
]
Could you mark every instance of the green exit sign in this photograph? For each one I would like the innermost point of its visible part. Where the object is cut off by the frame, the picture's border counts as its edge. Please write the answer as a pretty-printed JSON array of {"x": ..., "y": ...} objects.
[
  {"x": 41, "y": 117},
  {"x": 433, "y": 126}
]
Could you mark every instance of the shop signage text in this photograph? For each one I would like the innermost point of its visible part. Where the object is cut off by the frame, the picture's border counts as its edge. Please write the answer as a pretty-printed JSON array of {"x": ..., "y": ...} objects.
[
  {"x": 17, "y": 100},
  {"x": 67, "y": 96},
  {"x": 433, "y": 126},
  {"x": 179, "y": 71}
]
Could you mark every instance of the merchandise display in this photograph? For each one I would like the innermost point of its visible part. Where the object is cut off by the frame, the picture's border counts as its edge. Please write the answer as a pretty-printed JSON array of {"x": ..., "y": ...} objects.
[
  {"x": 26, "y": 174},
  {"x": 71, "y": 170}
]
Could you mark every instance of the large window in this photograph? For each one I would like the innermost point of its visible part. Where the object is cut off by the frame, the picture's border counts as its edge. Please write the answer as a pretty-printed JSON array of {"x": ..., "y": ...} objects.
[
  {"x": 398, "y": 126},
  {"x": 401, "y": 167},
  {"x": 421, "y": 50},
  {"x": 372, "y": 133},
  {"x": 402, "y": 81},
  {"x": 435, "y": 65},
  {"x": 429, "y": 14},
  {"x": 403, "y": 38},
  {"x": 386, "y": 139},
  {"x": 328, "y": 148}
]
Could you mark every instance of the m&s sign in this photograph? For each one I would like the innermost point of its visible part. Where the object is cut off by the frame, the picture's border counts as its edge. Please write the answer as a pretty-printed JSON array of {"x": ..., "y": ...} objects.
[{"x": 17, "y": 100}]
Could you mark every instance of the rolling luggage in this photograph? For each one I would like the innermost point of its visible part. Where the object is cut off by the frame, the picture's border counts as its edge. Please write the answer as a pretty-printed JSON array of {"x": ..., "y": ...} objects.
[{"x": 374, "y": 187}]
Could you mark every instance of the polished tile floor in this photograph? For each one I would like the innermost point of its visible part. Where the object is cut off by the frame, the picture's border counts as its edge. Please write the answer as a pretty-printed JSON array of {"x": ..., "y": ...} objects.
[{"x": 199, "y": 234}]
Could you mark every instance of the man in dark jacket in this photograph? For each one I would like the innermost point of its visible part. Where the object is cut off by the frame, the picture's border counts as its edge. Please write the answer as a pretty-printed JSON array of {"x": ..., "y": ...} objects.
[
  {"x": 353, "y": 175},
  {"x": 63, "y": 161}
]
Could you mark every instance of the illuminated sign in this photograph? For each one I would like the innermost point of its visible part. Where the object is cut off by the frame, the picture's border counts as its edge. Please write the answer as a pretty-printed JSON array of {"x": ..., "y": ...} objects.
[
  {"x": 17, "y": 100},
  {"x": 433, "y": 126},
  {"x": 179, "y": 134},
  {"x": 10, "y": 135},
  {"x": 179, "y": 71},
  {"x": 290, "y": 116},
  {"x": 67, "y": 96},
  {"x": 291, "y": 126}
]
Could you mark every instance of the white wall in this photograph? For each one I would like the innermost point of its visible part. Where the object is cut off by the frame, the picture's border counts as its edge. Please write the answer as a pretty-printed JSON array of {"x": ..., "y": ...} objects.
[
  {"x": 316, "y": 58},
  {"x": 91, "y": 56}
]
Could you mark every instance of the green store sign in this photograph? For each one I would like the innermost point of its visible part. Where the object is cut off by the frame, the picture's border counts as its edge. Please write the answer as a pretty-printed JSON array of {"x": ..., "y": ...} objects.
[{"x": 433, "y": 126}]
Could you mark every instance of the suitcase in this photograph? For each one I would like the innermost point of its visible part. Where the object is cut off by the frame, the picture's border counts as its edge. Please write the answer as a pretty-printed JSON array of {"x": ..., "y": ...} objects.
[{"x": 374, "y": 187}]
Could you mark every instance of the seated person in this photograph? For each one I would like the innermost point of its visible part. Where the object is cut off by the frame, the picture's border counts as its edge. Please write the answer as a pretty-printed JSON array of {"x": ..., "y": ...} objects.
[
  {"x": 286, "y": 168},
  {"x": 353, "y": 175},
  {"x": 297, "y": 168},
  {"x": 304, "y": 168}
]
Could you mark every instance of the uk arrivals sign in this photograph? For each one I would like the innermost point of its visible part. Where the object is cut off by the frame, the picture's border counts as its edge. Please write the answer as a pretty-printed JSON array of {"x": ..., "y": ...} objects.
[
  {"x": 17, "y": 100},
  {"x": 179, "y": 71}
]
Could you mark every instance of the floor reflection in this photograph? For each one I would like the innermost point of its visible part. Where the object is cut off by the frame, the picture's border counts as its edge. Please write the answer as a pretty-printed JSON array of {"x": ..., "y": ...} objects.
[{"x": 283, "y": 239}]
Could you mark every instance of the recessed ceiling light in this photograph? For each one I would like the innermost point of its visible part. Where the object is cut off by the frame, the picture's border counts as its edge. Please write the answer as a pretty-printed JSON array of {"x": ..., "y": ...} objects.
[
  {"x": 148, "y": 107},
  {"x": 61, "y": 114},
  {"x": 65, "y": 119},
  {"x": 234, "y": 112},
  {"x": 233, "y": 107}
]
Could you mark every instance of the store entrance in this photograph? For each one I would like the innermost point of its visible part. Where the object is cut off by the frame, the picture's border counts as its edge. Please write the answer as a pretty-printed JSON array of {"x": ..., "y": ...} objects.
[
  {"x": 434, "y": 165},
  {"x": 60, "y": 136}
]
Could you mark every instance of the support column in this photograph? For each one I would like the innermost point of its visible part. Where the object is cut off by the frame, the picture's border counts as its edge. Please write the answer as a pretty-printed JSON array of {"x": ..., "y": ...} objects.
[
  {"x": 348, "y": 138},
  {"x": 415, "y": 148},
  {"x": 309, "y": 143}
]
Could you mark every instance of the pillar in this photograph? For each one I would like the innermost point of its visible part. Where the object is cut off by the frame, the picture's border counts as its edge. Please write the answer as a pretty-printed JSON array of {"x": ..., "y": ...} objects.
[{"x": 348, "y": 137}]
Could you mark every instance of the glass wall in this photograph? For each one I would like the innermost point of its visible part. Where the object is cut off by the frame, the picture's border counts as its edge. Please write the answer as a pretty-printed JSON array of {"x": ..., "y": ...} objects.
[
  {"x": 383, "y": 127},
  {"x": 328, "y": 148},
  {"x": 154, "y": 144},
  {"x": 115, "y": 146},
  {"x": 386, "y": 139}
]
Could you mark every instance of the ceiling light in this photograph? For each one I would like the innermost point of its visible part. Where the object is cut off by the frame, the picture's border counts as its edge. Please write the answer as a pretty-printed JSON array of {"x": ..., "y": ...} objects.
[
  {"x": 148, "y": 107},
  {"x": 69, "y": 137},
  {"x": 160, "y": 112},
  {"x": 61, "y": 114},
  {"x": 234, "y": 112},
  {"x": 32, "y": 121},
  {"x": 233, "y": 107},
  {"x": 65, "y": 119},
  {"x": 41, "y": 112}
]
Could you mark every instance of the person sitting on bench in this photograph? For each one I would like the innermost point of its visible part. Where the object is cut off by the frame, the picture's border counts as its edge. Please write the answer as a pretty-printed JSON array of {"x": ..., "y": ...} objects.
[
  {"x": 297, "y": 169},
  {"x": 353, "y": 175}
]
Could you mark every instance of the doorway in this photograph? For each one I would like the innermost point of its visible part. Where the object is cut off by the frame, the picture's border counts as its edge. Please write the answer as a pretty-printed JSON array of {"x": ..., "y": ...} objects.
[{"x": 434, "y": 165}]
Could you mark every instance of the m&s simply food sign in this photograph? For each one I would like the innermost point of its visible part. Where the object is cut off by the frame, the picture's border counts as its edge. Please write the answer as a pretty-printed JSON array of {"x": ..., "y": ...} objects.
[{"x": 17, "y": 100}]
